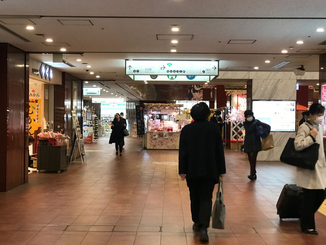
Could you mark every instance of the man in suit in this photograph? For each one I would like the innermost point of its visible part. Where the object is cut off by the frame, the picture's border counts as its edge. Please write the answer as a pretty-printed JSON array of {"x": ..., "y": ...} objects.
[{"x": 201, "y": 163}]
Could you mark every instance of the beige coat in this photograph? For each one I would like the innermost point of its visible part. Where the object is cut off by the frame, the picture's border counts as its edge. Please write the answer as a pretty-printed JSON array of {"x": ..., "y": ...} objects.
[{"x": 311, "y": 179}]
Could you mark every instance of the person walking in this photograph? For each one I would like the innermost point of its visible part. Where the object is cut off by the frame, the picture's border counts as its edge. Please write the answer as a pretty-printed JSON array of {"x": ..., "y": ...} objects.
[
  {"x": 313, "y": 182},
  {"x": 216, "y": 118},
  {"x": 117, "y": 135},
  {"x": 201, "y": 163},
  {"x": 255, "y": 130}
]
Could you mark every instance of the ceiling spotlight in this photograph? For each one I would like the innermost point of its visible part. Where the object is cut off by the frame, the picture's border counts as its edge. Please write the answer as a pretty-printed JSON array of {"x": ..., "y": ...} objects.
[
  {"x": 63, "y": 50},
  {"x": 175, "y": 29},
  {"x": 94, "y": 85},
  {"x": 174, "y": 41},
  {"x": 112, "y": 93},
  {"x": 97, "y": 76},
  {"x": 49, "y": 40},
  {"x": 206, "y": 83},
  {"x": 299, "y": 42},
  {"x": 86, "y": 81},
  {"x": 256, "y": 67},
  {"x": 322, "y": 68},
  {"x": 30, "y": 27},
  {"x": 320, "y": 30},
  {"x": 173, "y": 50},
  {"x": 89, "y": 66},
  {"x": 91, "y": 73},
  {"x": 79, "y": 60},
  {"x": 116, "y": 95},
  {"x": 106, "y": 91},
  {"x": 317, "y": 84},
  {"x": 284, "y": 51},
  {"x": 267, "y": 61}
]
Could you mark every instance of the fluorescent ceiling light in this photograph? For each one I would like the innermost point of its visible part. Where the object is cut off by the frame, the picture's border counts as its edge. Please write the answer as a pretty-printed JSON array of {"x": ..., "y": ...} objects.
[
  {"x": 30, "y": 27},
  {"x": 284, "y": 51},
  {"x": 256, "y": 67},
  {"x": 86, "y": 81},
  {"x": 175, "y": 29},
  {"x": 63, "y": 50},
  {"x": 299, "y": 42},
  {"x": 94, "y": 85},
  {"x": 267, "y": 61},
  {"x": 79, "y": 60},
  {"x": 320, "y": 30},
  {"x": 89, "y": 66},
  {"x": 97, "y": 76},
  {"x": 91, "y": 73},
  {"x": 49, "y": 40},
  {"x": 173, "y": 50},
  {"x": 280, "y": 65},
  {"x": 174, "y": 41}
]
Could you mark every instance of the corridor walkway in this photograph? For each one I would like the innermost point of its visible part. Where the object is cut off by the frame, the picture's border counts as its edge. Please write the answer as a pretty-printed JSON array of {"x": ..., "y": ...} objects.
[{"x": 138, "y": 199}]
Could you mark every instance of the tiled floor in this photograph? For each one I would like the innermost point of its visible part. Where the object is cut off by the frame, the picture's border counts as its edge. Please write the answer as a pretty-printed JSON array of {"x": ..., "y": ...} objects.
[{"x": 138, "y": 199}]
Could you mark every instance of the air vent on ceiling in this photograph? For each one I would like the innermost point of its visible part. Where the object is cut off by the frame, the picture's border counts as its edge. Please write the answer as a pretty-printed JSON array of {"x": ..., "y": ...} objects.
[
  {"x": 10, "y": 21},
  {"x": 68, "y": 22},
  {"x": 58, "y": 59},
  {"x": 310, "y": 50},
  {"x": 56, "y": 44},
  {"x": 188, "y": 37},
  {"x": 236, "y": 68},
  {"x": 242, "y": 41},
  {"x": 280, "y": 65}
]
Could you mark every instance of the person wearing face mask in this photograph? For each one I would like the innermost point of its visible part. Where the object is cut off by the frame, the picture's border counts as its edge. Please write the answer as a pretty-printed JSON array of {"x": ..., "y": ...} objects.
[
  {"x": 313, "y": 182},
  {"x": 252, "y": 141}
]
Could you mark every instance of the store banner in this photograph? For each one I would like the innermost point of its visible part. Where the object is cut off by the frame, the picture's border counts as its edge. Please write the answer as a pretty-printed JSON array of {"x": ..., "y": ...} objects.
[{"x": 34, "y": 115}]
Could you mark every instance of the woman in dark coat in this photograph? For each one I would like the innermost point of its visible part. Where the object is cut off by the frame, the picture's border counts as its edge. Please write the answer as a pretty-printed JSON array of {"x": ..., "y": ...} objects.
[
  {"x": 201, "y": 163},
  {"x": 117, "y": 135},
  {"x": 255, "y": 130}
]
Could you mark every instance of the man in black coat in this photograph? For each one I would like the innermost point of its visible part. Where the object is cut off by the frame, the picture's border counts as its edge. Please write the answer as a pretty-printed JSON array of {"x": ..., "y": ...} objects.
[{"x": 201, "y": 162}]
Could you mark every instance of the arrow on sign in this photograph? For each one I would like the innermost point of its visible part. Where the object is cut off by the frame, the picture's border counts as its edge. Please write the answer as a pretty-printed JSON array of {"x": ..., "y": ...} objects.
[
  {"x": 214, "y": 68},
  {"x": 163, "y": 68},
  {"x": 129, "y": 67}
]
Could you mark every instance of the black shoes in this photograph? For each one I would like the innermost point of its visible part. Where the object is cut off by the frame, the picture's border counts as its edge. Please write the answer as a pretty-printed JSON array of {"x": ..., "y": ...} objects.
[
  {"x": 310, "y": 231},
  {"x": 120, "y": 154},
  {"x": 252, "y": 177},
  {"x": 196, "y": 227},
  {"x": 116, "y": 153},
  {"x": 203, "y": 236}
]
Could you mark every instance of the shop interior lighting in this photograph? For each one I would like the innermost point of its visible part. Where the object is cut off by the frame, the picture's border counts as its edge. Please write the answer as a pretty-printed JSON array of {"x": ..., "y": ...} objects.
[
  {"x": 49, "y": 40},
  {"x": 112, "y": 93},
  {"x": 317, "y": 84},
  {"x": 94, "y": 85},
  {"x": 174, "y": 41},
  {"x": 63, "y": 49},
  {"x": 322, "y": 68},
  {"x": 284, "y": 51},
  {"x": 173, "y": 50},
  {"x": 97, "y": 76},
  {"x": 175, "y": 29},
  {"x": 91, "y": 73},
  {"x": 299, "y": 42},
  {"x": 30, "y": 27},
  {"x": 79, "y": 60},
  {"x": 320, "y": 30},
  {"x": 86, "y": 81},
  {"x": 89, "y": 66},
  {"x": 267, "y": 61},
  {"x": 256, "y": 67}
]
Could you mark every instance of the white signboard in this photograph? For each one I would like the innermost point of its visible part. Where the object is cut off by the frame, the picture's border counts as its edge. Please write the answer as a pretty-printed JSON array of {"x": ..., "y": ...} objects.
[
  {"x": 280, "y": 115},
  {"x": 176, "y": 78},
  {"x": 92, "y": 91},
  {"x": 170, "y": 67}
]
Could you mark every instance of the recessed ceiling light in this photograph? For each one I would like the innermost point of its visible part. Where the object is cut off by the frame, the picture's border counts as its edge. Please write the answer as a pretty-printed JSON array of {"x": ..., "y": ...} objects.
[
  {"x": 89, "y": 66},
  {"x": 322, "y": 68},
  {"x": 94, "y": 85},
  {"x": 111, "y": 93},
  {"x": 299, "y": 42},
  {"x": 173, "y": 50},
  {"x": 317, "y": 84},
  {"x": 284, "y": 51},
  {"x": 97, "y": 76},
  {"x": 106, "y": 91},
  {"x": 86, "y": 81},
  {"x": 116, "y": 95},
  {"x": 320, "y": 30},
  {"x": 49, "y": 40},
  {"x": 30, "y": 27},
  {"x": 174, "y": 41},
  {"x": 79, "y": 60},
  {"x": 91, "y": 73},
  {"x": 267, "y": 61},
  {"x": 256, "y": 67},
  {"x": 175, "y": 29},
  {"x": 63, "y": 50}
]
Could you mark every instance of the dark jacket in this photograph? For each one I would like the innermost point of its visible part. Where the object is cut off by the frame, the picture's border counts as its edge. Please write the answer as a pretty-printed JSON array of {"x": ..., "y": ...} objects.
[
  {"x": 117, "y": 135},
  {"x": 201, "y": 153},
  {"x": 252, "y": 141},
  {"x": 218, "y": 120}
]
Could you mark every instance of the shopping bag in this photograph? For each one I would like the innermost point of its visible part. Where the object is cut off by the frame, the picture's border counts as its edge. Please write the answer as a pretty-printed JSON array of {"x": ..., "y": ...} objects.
[
  {"x": 267, "y": 143},
  {"x": 218, "y": 213},
  {"x": 306, "y": 158},
  {"x": 125, "y": 132}
]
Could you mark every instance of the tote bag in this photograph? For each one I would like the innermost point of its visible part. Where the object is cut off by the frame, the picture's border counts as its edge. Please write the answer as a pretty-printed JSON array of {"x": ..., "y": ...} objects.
[
  {"x": 218, "y": 213},
  {"x": 306, "y": 158},
  {"x": 267, "y": 143},
  {"x": 125, "y": 132}
]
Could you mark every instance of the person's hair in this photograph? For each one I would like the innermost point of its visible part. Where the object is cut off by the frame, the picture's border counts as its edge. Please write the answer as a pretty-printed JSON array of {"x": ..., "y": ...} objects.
[
  {"x": 115, "y": 117},
  {"x": 200, "y": 112},
  {"x": 30, "y": 139},
  {"x": 217, "y": 112},
  {"x": 248, "y": 113},
  {"x": 305, "y": 113},
  {"x": 121, "y": 113},
  {"x": 316, "y": 108}
]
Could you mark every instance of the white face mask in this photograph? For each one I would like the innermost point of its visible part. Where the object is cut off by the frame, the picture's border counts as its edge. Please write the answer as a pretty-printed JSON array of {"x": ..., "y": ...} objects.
[
  {"x": 249, "y": 119},
  {"x": 319, "y": 120}
]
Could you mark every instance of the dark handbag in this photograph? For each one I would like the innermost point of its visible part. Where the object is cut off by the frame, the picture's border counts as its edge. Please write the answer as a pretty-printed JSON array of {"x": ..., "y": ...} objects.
[
  {"x": 218, "y": 213},
  {"x": 306, "y": 158},
  {"x": 125, "y": 132}
]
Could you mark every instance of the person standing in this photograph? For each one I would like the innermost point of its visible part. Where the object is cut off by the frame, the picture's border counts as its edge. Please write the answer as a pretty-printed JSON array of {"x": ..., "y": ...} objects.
[
  {"x": 216, "y": 118},
  {"x": 117, "y": 135},
  {"x": 255, "y": 130},
  {"x": 201, "y": 163},
  {"x": 313, "y": 182}
]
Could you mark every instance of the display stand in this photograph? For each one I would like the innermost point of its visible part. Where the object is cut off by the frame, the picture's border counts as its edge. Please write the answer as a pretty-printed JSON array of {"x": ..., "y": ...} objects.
[
  {"x": 78, "y": 150},
  {"x": 96, "y": 128}
]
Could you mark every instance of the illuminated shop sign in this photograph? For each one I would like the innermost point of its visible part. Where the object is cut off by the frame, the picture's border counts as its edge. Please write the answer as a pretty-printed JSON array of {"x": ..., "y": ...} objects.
[
  {"x": 92, "y": 91},
  {"x": 45, "y": 72},
  {"x": 172, "y": 67}
]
